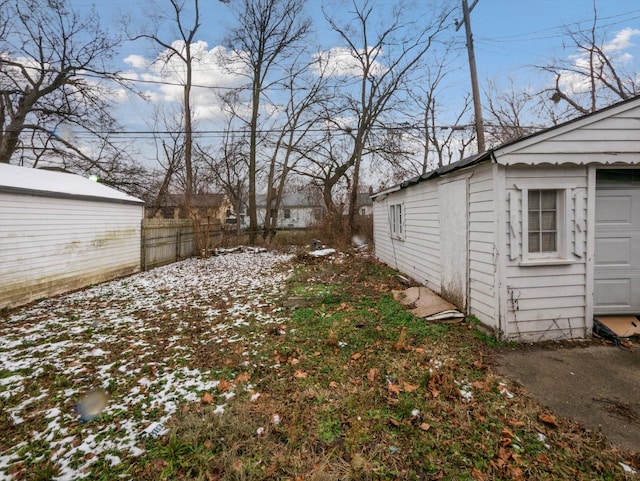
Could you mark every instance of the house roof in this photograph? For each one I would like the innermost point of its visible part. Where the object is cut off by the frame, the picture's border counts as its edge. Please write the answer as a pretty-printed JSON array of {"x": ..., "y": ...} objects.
[
  {"x": 500, "y": 153},
  {"x": 197, "y": 200},
  {"x": 22, "y": 180}
]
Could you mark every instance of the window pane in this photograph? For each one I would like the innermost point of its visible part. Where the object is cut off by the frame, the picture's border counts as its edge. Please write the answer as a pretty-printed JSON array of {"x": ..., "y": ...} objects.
[
  {"x": 548, "y": 199},
  {"x": 534, "y": 199},
  {"x": 548, "y": 241},
  {"x": 534, "y": 221},
  {"x": 549, "y": 221},
  {"x": 534, "y": 242}
]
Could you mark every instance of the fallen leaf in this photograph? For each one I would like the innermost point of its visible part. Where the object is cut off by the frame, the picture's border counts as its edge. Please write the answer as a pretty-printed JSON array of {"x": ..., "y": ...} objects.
[
  {"x": 294, "y": 361},
  {"x": 425, "y": 426},
  {"x": 356, "y": 356},
  {"x": 542, "y": 458},
  {"x": 479, "y": 385},
  {"x": 515, "y": 423},
  {"x": 207, "y": 398},
  {"x": 333, "y": 384},
  {"x": 409, "y": 387},
  {"x": 394, "y": 422},
  {"x": 373, "y": 374},
  {"x": 394, "y": 389},
  {"x": 477, "y": 475},
  {"x": 548, "y": 419},
  {"x": 507, "y": 437},
  {"x": 243, "y": 377},
  {"x": 300, "y": 374},
  {"x": 223, "y": 385},
  {"x": 208, "y": 443},
  {"x": 479, "y": 365}
]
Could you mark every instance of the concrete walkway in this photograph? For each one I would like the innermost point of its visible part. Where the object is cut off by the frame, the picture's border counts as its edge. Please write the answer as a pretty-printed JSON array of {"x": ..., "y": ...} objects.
[{"x": 596, "y": 385}]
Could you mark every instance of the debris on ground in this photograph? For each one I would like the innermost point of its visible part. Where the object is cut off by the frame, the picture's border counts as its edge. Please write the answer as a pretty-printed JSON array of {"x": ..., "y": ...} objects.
[
  {"x": 427, "y": 304},
  {"x": 621, "y": 326},
  {"x": 322, "y": 252}
]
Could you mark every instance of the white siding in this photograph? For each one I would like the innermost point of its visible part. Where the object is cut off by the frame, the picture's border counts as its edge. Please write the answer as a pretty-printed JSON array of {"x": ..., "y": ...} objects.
[
  {"x": 483, "y": 248},
  {"x": 418, "y": 255},
  {"x": 546, "y": 301},
  {"x": 50, "y": 245},
  {"x": 613, "y": 134}
]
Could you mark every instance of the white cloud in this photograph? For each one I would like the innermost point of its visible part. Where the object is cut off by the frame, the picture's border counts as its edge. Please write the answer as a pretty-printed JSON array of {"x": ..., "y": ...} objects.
[
  {"x": 136, "y": 61},
  {"x": 213, "y": 72},
  {"x": 616, "y": 50},
  {"x": 344, "y": 62},
  {"x": 622, "y": 40}
]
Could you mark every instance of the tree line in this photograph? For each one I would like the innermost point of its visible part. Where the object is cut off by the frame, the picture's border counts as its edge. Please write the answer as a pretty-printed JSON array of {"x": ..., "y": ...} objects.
[{"x": 302, "y": 114}]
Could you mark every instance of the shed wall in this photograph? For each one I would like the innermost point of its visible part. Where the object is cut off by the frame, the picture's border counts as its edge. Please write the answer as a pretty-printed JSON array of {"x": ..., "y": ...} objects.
[
  {"x": 483, "y": 248},
  {"x": 547, "y": 299},
  {"x": 52, "y": 245},
  {"x": 418, "y": 253}
]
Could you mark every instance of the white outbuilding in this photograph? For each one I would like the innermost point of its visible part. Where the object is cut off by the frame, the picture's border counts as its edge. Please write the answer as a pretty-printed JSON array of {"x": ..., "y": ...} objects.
[
  {"x": 60, "y": 232},
  {"x": 534, "y": 237}
]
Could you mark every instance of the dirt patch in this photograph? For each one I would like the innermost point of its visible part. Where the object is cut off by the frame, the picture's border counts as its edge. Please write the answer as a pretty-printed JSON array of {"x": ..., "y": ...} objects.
[{"x": 596, "y": 385}]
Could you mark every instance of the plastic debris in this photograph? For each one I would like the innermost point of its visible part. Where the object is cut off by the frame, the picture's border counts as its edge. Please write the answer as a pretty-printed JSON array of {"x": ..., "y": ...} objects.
[{"x": 322, "y": 252}]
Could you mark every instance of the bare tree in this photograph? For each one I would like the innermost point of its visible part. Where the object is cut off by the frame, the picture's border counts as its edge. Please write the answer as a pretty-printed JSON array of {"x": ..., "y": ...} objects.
[
  {"x": 48, "y": 55},
  {"x": 229, "y": 165},
  {"x": 268, "y": 32},
  {"x": 298, "y": 117},
  {"x": 441, "y": 142},
  {"x": 594, "y": 78},
  {"x": 169, "y": 154},
  {"x": 512, "y": 112},
  {"x": 382, "y": 58},
  {"x": 186, "y": 22}
]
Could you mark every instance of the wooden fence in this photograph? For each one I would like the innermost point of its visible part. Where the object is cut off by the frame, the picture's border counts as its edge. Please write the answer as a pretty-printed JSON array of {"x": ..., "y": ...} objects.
[{"x": 170, "y": 240}]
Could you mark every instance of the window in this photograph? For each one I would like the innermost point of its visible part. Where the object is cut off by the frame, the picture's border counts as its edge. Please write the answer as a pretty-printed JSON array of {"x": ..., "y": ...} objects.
[
  {"x": 396, "y": 220},
  {"x": 543, "y": 221},
  {"x": 287, "y": 213}
]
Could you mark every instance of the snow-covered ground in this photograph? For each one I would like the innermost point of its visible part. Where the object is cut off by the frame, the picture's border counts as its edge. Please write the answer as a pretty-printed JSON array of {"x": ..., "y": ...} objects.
[{"x": 153, "y": 342}]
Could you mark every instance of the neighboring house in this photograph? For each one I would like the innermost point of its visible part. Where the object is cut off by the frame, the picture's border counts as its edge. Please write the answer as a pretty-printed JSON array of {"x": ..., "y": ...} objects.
[
  {"x": 364, "y": 204},
  {"x": 297, "y": 211},
  {"x": 60, "y": 232},
  {"x": 534, "y": 237},
  {"x": 208, "y": 206}
]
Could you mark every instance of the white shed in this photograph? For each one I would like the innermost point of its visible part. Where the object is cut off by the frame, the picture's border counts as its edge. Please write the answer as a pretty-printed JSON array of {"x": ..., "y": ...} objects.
[
  {"x": 534, "y": 237},
  {"x": 60, "y": 232}
]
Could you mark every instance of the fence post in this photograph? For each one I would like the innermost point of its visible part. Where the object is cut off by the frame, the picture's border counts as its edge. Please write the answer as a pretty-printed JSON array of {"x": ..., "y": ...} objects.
[{"x": 143, "y": 246}]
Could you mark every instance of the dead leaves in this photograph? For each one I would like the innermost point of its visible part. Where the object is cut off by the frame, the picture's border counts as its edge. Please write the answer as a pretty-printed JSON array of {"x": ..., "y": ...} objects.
[
  {"x": 207, "y": 398},
  {"x": 548, "y": 419}
]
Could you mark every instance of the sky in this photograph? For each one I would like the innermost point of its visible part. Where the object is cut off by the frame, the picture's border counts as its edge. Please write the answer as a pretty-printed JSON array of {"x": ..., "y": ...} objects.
[{"x": 511, "y": 37}]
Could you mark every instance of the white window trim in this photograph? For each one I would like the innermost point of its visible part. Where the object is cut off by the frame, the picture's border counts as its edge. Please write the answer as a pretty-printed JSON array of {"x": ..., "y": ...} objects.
[
  {"x": 397, "y": 230},
  {"x": 561, "y": 255}
]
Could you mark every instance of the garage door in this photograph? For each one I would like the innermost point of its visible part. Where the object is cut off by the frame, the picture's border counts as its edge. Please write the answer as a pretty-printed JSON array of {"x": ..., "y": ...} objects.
[{"x": 617, "y": 242}]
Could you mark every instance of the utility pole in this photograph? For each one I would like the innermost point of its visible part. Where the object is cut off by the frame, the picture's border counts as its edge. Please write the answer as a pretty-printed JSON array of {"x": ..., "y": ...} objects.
[{"x": 477, "y": 106}]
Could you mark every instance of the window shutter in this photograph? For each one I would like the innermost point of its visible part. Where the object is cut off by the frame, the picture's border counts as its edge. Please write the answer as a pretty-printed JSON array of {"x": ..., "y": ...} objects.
[
  {"x": 514, "y": 226},
  {"x": 579, "y": 224}
]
